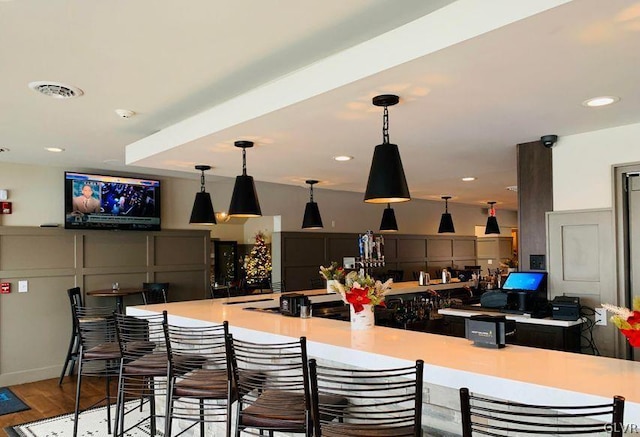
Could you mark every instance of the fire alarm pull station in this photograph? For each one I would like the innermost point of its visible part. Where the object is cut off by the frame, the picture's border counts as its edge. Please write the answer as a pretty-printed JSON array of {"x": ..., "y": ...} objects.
[
  {"x": 5, "y": 287},
  {"x": 6, "y": 207}
]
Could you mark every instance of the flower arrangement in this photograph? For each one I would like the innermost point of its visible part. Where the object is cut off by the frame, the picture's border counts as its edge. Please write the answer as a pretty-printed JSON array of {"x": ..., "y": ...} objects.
[
  {"x": 627, "y": 321},
  {"x": 333, "y": 272},
  {"x": 362, "y": 290},
  {"x": 510, "y": 262}
]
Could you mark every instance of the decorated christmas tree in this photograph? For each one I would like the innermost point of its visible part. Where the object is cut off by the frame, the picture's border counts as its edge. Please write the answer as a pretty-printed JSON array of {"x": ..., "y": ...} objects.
[{"x": 258, "y": 262}]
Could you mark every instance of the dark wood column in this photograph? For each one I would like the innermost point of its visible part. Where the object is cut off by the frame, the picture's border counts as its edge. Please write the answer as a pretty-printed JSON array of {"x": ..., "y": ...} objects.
[{"x": 535, "y": 198}]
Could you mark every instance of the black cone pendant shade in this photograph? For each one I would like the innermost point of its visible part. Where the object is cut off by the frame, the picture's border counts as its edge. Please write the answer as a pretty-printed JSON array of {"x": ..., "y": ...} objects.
[
  {"x": 312, "y": 219},
  {"x": 389, "y": 222},
  {"x": 202, "y": 211},
  {"x": 446, "y": 222},
  {"x": 244, "y": 201},
  {"x": 387, "y": 182},
  {"x": 492, "y": 222}
]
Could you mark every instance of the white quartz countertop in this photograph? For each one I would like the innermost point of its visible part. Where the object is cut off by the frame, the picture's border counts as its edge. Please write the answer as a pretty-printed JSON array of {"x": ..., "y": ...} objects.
[
  {"x": 514, "y": 372},
  {"x": 520, "y": 318}
]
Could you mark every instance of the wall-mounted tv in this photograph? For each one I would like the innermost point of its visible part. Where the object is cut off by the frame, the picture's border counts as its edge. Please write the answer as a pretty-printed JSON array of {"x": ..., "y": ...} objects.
[{"x": 93, "y": 201}]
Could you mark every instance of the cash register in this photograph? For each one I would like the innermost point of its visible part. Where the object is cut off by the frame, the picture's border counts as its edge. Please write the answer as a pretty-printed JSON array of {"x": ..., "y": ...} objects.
[{"x": 522, "y": 292}]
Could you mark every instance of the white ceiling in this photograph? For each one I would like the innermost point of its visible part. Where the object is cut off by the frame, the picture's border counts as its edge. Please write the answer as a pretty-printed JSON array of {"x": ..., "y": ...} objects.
[{"x": 297, "y": 77}]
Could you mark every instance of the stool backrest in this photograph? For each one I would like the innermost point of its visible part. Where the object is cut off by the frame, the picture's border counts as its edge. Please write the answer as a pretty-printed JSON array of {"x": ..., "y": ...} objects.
[
  {"x": 155, "y": 292},
  {"x": 366, "y": 401},
  {"x": 482, "y": 415}
]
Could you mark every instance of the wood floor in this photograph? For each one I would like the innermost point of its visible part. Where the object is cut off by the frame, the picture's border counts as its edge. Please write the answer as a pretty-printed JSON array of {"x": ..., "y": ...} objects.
[{"x": 47, "y": 399}]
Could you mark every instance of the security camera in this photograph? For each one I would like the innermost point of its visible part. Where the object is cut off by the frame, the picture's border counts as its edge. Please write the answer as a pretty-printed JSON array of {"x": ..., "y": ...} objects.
[{"x": 549, "y": 140}]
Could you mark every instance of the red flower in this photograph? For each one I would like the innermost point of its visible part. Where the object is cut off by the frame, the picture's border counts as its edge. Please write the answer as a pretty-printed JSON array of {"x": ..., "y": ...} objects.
[
  {"x": 358, "y": 297},
  {"x": 633, "y": 334}
]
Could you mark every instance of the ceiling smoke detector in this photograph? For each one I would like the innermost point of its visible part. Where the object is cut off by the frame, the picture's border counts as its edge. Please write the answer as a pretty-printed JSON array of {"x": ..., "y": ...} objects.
[
  {"x": 513, "y": 188},
  {"x": 56, "y": 90},
  {"x": 125, "y": 113}
]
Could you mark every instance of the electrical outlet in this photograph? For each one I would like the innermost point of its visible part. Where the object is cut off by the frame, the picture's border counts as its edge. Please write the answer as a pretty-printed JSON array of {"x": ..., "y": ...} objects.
[{"x": 601, "y": 317}]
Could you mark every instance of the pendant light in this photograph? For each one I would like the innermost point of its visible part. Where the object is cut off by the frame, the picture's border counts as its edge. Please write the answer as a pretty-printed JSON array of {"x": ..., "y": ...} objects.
[
  {"x": 388, "y": 222},
  {"x": 202, "y": 211},
  {"x": 492, "y": 221},
  {"x": 387, "y": 182},
  {"x": 446, "y": 222},
  {"x": 312, "y": 219},
  {"x": 244, "y": 201}
]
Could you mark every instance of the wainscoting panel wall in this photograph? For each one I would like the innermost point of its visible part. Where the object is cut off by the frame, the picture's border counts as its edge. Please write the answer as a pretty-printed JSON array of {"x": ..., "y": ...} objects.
[
  {"x": 35, "y": 326},
  {"x": 303, "y": 253}
]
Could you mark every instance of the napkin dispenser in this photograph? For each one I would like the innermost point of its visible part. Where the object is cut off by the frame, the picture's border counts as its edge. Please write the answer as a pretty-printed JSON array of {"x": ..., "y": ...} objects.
[
  {"x": 489, "y": 331},
  {"x": 290, "y": 304}
]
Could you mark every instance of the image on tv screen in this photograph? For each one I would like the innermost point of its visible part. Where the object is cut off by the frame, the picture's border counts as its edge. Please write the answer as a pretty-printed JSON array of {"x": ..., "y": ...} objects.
[{"x": 111, "y": 202}]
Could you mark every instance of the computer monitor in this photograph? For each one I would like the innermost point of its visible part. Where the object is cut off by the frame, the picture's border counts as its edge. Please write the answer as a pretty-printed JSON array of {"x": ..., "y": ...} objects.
[
  {"x": 530, "y": 287},
  {"x": 526, "y": 281}
]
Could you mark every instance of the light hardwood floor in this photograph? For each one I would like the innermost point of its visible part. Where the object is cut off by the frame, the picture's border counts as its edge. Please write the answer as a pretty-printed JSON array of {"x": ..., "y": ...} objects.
[{"x": 47, "y": 399}]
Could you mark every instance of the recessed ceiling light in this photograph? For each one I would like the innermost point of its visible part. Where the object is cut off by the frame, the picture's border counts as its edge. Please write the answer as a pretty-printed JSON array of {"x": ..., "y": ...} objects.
[
  {"x": 468, "y": 179},
  {"x": 600, "y": 101},
  {"x": 56, "y": 90},
  {"x": 343, "y": 158},
  {"x": 54, "y": 149},
  {"x": 4, "y": 149}
]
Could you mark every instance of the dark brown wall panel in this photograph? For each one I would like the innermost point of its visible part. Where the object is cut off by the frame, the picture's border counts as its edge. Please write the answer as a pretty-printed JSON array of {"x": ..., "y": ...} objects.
[
  {"x": 302, "y": 251},
  {"x": 535, "y": 198},
  {"x": 337, "y": 247},
  {"x": 390, "y": 249},
  {"x": 411, "y": 248}
]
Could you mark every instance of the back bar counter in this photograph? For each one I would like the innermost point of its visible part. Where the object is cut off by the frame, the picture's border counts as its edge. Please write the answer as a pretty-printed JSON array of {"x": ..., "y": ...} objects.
[{"x": 515, "y": 373}]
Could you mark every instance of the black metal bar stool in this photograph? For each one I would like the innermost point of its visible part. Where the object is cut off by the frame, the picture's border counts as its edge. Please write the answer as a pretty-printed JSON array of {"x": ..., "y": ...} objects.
[
  {"x": 199, "y": 384},
  {"x": 272, "y": 386},
  {"x": 99, "y": 353},
  {"x": 377, "y": 403},
  {"x": 75, "y": 298}
]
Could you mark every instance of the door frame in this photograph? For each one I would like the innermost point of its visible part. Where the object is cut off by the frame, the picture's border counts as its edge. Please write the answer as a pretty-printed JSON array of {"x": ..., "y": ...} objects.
[{"x": 623, "y": 253}]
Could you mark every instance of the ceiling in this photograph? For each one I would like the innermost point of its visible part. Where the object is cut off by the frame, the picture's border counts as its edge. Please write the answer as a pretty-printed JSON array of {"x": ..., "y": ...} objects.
[{"x": 297, "y": 78}]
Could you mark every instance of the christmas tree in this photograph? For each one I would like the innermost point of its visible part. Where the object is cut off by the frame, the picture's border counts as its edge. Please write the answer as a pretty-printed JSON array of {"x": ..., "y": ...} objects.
[{"x": 258, "y": 262}]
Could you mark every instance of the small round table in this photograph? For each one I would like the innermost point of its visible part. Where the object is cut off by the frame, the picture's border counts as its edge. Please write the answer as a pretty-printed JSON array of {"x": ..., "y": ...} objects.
[{"x": 119, "y": 294}]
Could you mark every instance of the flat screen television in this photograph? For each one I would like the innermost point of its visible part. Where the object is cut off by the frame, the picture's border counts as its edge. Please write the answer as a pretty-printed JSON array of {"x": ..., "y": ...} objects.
[{"x": 93, "y": 201}]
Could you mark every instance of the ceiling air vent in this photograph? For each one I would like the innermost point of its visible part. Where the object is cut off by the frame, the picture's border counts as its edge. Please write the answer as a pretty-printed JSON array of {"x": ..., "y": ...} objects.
[{"x": 56, "y": 90}]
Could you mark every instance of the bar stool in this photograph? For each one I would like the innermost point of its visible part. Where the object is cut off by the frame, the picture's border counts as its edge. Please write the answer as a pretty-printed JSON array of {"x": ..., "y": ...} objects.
[
  {"x": 376, "y": 403},
  {"x": 75, "y": 298},
  {"x": 143, "y": 365},
  {"x": 155, "y": 292},
  {"x": 199, "y": 381},
  {"x": 486, "y": 416},
  {"x": 271, "y": 383},
  {"x": 98, "y": 354}
]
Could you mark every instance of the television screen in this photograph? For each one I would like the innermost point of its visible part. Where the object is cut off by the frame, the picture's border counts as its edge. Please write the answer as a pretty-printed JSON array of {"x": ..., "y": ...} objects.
[
  {"x": 525, "y": 281},
  {"x": 111, "y": 202}
]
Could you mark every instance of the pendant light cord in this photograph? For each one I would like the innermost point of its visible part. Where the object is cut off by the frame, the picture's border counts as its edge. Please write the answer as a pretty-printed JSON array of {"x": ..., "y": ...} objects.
[
  {"x": 244, "y": 161},
  {"x": 385, "y": 126},
  {"x": 202, "y": 182},
  {"x": 446, "y": 205},
  {"x": 311, "y": 195}
]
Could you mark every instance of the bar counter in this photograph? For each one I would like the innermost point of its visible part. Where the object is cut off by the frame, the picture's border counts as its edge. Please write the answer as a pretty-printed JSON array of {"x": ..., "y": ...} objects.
[{"x": 515, "y": 372}]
